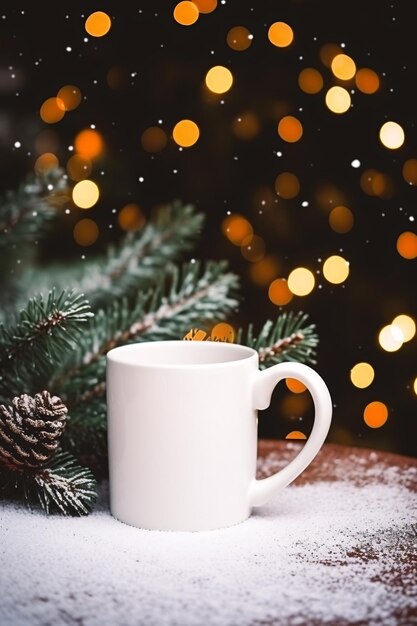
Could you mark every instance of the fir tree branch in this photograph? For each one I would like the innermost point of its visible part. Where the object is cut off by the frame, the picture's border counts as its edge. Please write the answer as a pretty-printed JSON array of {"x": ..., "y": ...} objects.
[
  {"x": 288, "y": 339},
  {"x": 60, "y": 485},
  {"x": 24, "y": 213},
  {"x": 39, "y": 338}
]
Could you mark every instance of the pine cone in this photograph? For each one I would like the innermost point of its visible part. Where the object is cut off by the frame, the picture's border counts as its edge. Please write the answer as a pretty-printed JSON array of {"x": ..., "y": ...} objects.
[{"x": 30, "y": 429}]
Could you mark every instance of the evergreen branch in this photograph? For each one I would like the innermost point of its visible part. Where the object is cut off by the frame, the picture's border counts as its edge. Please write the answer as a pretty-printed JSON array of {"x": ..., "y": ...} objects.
[
  {"x": 24, "y": 213},
  {"x": 60, "y": 485},
  {"x": 179, "y": 301},
  {"x": 86, "y": 436},
  {"x": 40, "y": 336},
  {"x": 288, "y": 339}
]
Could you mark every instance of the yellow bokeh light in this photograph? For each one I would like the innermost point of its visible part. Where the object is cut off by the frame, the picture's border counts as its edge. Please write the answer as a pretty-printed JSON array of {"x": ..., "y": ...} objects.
[
  {"x": 69, "y": 96},
  {"x": 343, "y": 66},
  {"x": 294, "y": 385},
  {"x": 341, "y": 219},
  {"x": 367, "y": 80},
  {"x": 85, "y": 232},
  {"x": 390, "y": 338},
  {"x": 85, "y": 194},
  {"x": 89, "y": 143},
  {"x": 79, "y": 167},
  {"x": 327, "y": 53},
  {"x": 287, "y": 185},
  {"x": 407, "y": 245},
  {"x": 237, "y": 229},
  {"x": 46, "y": 161},
  {"x": 280, "y": 34},
  {"x": 185, "y": 133},
  {"x": 98, "y": 24},
  {"x": 264, "y": 271},
  {"x": 52, "y": 110},
  {"x": 222, "y": 332},
  {"x": 310, "y": 80},
  {"x": 239, "y": 38},
  {"x": 407, "y": 326},
  {"x": 186, "y": 13},
  {"x": 290, "y": 129},
  {"x": 391, "y": 135},
  {"x": 206, "y": 6},
  {"x": 153, "y": 139},
  {"x": 219, "y": 79},
  {"x": 335, "y": 269},
  {"x": 296, "y": 434},
  {"x": 415, "y": 386},
  {"x": 246, "y": 126},
  {"x": 253, "y": 248},
  {"x": 301, "y": 281},
  {"x": 338, "y": 99},
  {"x": 279, "y": 292},
  {"x": 410, "y": 171},
  {"x": 131, "y": 217},
  {"x": 375, "y": 414},
  {"x": 362, "y": 375}
]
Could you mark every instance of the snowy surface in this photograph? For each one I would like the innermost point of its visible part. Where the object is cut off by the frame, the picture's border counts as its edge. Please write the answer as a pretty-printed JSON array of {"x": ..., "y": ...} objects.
[{"x": 320, "y": 553}]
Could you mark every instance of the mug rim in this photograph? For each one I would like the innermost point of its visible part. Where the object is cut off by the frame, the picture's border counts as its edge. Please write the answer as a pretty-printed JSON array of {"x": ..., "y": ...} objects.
[{"x": 116, "y": 355}]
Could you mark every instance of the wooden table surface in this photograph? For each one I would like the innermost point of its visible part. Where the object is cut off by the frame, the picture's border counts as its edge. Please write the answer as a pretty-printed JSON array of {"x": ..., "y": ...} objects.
[{"x": 276, "y": 569}]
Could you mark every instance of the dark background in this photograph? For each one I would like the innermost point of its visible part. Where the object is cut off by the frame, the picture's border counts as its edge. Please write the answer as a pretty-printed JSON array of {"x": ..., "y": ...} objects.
[{"x": 162, "y": 66}]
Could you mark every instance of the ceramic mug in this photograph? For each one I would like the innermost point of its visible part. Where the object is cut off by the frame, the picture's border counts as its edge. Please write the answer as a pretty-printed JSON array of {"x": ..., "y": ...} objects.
[{"x": 182, "y": 432}]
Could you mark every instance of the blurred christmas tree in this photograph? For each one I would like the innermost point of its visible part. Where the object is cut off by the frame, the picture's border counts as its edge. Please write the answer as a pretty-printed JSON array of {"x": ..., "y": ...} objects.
[{"x": 59, "y": 321}]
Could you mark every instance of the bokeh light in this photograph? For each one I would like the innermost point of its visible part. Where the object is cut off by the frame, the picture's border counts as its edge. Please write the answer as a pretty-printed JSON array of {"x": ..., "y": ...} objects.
[
  {"x": 407, "y": 326},
  {"x": 223, "y": 332},
  {"x": 237, "y": 229},
  {"x": 89, "y": 143},
  {"x": 153, "y": 139},
  {"x": 407, "y": 245},
  {"x": 341, "y": 219},
  {"x": 131, "y": 217},
  {"x": 279, "y": 292},
  {"x": 290, "y": 129},
  {"x": 70, "y": 97},
  {"x": 219, "y": 79},
  {"x": 367, "y": 81},
  {"x": 117, "y": 77},
  {"x": 98, "y": 24},
  {"x": 46, "y": 161},
  {"x": 362, "y": 375},
  {"x": 328, "y": 52},
  {"x": 310, "y": 80},
  {"x": 294, "y": 385},
  {"x": 253, "y": 248},
  {"x": 79, "y": 167},
  {"x": 296, "y": 434},
  {"x": 390, "y": 338},
  {"x": 338, "y": 99},
  {"x": 410, "y": 171},
  {"x": 185, "y": 133},
  {"x": 335, "y": 269},
  {"x": 301, "y": 281},
  {"x": 206, "y": 6},
  {"x": 85, "y": 232},
  {"x": 52, "y": 111},
  {"x": 246, "y": 125},
  {"x": 186, "y": 13},
  {"x": 415, "y": 385},
  {"x": 287, "y": 185},
  {"x": 239, "y": 38},
  {"x": 280, "y": 34},
  {"x": 391, "y": 135},
  {"x": 375, "y": 414},
  {"x": 343, "y": 66},
  {"x": 85, "y": 194},
  {"x": 264, "y": 271}
]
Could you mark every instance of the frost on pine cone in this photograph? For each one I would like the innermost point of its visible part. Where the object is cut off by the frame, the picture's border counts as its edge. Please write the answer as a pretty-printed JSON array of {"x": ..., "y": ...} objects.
[{"x": 31, "y": 429}]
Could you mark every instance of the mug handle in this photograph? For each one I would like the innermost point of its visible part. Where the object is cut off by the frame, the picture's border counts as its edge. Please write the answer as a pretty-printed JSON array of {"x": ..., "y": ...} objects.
[{"x": 263, "y": 385}]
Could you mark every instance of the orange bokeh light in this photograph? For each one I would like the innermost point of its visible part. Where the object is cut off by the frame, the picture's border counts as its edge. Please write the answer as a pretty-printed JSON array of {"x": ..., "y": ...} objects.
[
  {"x": 85, "y": 232},
  {"x": 52, "y": 110},
  {"x": 45, "y": 162},
  {"x": 98, "y": 24},
  {"x": 294, "y": 385},
  {"x": 89, "y": 143},
  {"x": 186, "y": 13},
  {"x": 310, "y": 80},
  {"x": 367, "y": 81},
  {"x": 131, "y": 217},
  {"x": 279, "y": 292},
  {"x": 375, "y": 414},
  {"x": 153, "y": 139},
  {"x": 296, "y": 434},
  {"x": 237, "y": 229},
  {"x": 79, "y": 167},
  {"x": 290, "y": 129},
  {"x": 206, "y": 6},
  {"x": 407, "y": 245},
  {"x": 239, "y": 38},
  {"x": 287, "y": 185},
  {"x": 341, "y": 219},
  {"x": 280, "y": 34},
  {"x": 69, "y": 96}
]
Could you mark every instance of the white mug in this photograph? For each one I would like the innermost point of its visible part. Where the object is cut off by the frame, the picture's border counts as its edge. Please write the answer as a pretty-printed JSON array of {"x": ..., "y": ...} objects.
[{"x": 182, "y": 432}]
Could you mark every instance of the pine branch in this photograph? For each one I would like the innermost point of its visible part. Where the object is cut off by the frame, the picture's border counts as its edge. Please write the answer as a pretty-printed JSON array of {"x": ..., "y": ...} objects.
[
  {"x": 24, "y": 213},
  {"x": 288, "y": 339},
  {"x": 38, "y": 339},
  {"x": 61, "y": 485},
  {"x": 181, "y": 300}
]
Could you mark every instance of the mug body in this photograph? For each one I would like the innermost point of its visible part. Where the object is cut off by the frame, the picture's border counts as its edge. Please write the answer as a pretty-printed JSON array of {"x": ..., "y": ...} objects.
[{"x": 182, "y": 434}]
